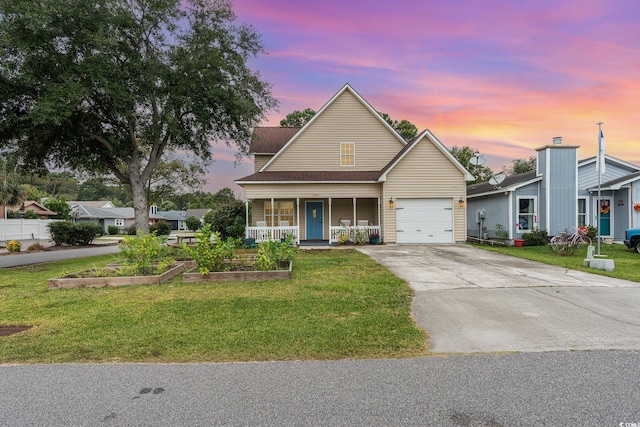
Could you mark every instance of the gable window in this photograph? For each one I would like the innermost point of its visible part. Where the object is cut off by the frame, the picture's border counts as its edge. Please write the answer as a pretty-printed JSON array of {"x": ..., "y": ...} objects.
[
  {"x": 282, "y": 214},
  {"x": 582, "y": 212},
  {"x": 527, "y": 215},
  {"x": 347, "y": 154},
  {"x": 119, "y": 222}
]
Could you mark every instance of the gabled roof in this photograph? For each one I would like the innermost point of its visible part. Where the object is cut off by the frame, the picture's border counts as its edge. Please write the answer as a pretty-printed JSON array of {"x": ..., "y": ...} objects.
[
  {"x": 609, "y": 159},
  {"x": 198, "y": 213},
  {"x": 103, "y": 204},
  {"x": 432, "y": 138},
  {"x": 269, "y": 140},
  {"x": 173, "y": 215},
  {"x": 616, "y": 184},
  {"x": 345, "y": 88},
  {"x": 31, "y": 205},
  {"x": 84, "y": 211},
  {"x": 510, "y": 183},
  {"x": 284, "y": 177}
]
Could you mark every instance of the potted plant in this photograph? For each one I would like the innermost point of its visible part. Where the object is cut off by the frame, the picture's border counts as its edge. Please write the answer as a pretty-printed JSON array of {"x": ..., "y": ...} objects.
[{"x": 374, "y": 238}]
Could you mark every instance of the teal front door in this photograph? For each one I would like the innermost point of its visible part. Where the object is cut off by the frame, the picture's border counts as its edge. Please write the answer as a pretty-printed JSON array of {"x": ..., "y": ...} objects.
[
  {"x": 605, "y": 217},
  {"x": 314, "y": 221}
]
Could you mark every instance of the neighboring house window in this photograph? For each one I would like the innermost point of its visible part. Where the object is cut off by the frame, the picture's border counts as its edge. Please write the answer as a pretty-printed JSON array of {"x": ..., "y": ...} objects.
[
  {"x": 282, "y": 211},
  {"x": 527, "y": 217},
  {"x": 119, "y": 222},
  {"x": 347, "y": 154},
  {"x": 582, "y": 212}
]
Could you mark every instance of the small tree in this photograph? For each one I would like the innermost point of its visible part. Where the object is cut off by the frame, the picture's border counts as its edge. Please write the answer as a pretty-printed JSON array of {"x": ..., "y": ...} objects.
[
  {"x": 193, "y": 223},
  {"x": 60, "y": 207},
  {"x": 227, "y": 219}
]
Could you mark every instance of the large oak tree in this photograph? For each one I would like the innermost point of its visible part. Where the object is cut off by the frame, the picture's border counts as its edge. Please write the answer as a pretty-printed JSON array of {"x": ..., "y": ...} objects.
[{"x": 108, "y": 86}]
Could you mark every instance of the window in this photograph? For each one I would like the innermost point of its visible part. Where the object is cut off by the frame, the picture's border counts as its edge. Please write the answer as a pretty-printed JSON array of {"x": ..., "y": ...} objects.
[
  {"x": 282, "y": 211},
  {"x": 119, "y": 223},
  {"x": 347, "y": 154},
  {"x": 582, "y": 212},
  {"x": 527, "y": 218}
]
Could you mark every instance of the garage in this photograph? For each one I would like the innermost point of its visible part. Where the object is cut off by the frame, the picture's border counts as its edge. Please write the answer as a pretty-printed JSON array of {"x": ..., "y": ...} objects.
[{"x": 424, "y": 220}]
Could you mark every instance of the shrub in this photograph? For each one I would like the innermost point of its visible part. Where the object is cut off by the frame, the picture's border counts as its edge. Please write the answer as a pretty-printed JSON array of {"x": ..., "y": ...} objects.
[
  {"x": 14, "y": 246},
  {"x": 227, "y": 219},
  {"x": 592, "y": 233},
  {"x": 36, "y": 247},
  {"x": 273, "y": 254},
  {"x": 113, "y": 230},
  {"x": 536, "y": 238},
  {"x": 144, "y": 254},
  {"x": 161, "y": 228},
  {"x": 73, "y": 234},
  {"x": 130, "y": 230},
  {"x": 193, "y": 223},
  {"x": 210, "y": 255}
]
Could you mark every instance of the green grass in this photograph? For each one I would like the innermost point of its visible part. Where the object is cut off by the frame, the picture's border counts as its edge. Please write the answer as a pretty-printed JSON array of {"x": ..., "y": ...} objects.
[
  {"x": 627, "y": 262},
  {"x": 339, "y": 304}
]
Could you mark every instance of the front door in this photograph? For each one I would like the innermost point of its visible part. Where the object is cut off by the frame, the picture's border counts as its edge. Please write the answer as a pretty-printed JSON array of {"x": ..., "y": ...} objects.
[
  {"x": 314, "y": 221},
  {"x": 605, "y": 217}
]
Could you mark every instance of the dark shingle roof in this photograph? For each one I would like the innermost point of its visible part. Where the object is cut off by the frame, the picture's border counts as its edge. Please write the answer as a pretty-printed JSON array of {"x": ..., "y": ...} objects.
[
  {"x": 510, "y": 181},
  {"x": 311, "y": 176},
  {"x": 269, "y": 140}
]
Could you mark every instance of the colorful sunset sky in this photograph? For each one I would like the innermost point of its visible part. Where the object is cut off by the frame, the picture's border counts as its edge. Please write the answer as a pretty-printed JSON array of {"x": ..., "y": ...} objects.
[{"x": 503, "y": 77}]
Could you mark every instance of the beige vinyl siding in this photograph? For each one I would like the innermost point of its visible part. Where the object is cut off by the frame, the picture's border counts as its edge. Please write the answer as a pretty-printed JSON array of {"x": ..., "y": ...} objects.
[
  {"x": 319, "y": 191},
  {"x": 425, "y": 172},
  {"x": 259, "y": 160},
  {"x": 345, "y": 120}
]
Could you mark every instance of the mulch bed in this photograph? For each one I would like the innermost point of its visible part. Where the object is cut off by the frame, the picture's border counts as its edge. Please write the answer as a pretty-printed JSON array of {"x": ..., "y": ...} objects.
[{"x": 12, "y": 329}]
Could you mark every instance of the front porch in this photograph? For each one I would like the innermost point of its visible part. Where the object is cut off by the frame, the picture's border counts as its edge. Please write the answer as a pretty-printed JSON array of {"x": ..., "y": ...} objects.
[{"x": 333, "y": 220}]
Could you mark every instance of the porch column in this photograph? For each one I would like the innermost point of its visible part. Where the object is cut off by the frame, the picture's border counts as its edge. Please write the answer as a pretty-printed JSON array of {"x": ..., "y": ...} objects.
[
  {"x": 272, "y": 217},
  {"x": 298, "y": 219},
  {"x": 379, "y": 221},
  {"x": 246, "y": 215},
  {"x": 355, "y": 221},
  {"x": 329, "y": 220}
]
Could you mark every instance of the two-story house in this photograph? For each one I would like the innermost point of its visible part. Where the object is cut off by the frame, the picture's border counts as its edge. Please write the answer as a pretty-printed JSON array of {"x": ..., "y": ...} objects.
[{"x": 346, "y": 170}]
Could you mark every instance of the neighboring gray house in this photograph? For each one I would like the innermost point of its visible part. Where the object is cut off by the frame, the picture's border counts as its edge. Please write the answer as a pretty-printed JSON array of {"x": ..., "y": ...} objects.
[
  {"x": 561, "y": 193},
  {"x": 177, "y": 219},
  {"x": 106, "y": 216}
]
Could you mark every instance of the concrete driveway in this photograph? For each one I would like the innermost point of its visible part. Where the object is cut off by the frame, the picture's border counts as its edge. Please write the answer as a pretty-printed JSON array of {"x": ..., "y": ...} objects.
[{"x": 470, "y": 300}]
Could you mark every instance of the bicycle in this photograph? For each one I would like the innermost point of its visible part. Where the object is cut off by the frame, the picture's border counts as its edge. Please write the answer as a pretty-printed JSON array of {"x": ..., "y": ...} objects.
[{"x": 566, "y": 244}]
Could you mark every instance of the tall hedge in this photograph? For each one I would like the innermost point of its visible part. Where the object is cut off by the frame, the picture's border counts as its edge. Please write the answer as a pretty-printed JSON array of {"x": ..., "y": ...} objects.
[{"x": 65, "y": 233}]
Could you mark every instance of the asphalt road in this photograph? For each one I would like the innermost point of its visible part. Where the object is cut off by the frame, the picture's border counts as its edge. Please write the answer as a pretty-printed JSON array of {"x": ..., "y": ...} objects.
[
  {"x": 599, "y": 388},
  {"x": 27, "y": 258}
]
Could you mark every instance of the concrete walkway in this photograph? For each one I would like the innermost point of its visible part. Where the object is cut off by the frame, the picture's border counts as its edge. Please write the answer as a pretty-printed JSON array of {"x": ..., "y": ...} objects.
[{"x": 470, "y": 300}]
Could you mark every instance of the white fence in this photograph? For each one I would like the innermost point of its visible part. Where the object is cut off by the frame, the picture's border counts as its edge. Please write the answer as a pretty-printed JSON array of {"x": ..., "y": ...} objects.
[
  {"x": 24, "y": 229},
  {"x": 271, "y": 233}
]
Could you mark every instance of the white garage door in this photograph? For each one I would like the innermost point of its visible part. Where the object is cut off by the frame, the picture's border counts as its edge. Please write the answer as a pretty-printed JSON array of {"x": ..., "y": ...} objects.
[{"x": 424, "y": 221}]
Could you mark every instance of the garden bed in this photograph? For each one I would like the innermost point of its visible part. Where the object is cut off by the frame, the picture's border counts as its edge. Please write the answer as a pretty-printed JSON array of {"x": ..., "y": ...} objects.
[
  {"x": 88, "y": 279},
  {"x": 242, "y": 274}
]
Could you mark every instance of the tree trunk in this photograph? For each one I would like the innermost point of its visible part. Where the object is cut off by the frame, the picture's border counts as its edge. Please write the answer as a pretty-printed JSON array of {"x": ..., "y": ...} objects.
[{"x": 139, "y": 198}]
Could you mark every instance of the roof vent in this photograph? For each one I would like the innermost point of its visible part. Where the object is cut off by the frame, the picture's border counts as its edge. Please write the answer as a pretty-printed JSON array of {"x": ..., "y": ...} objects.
[{"x": 557, "y": 140}]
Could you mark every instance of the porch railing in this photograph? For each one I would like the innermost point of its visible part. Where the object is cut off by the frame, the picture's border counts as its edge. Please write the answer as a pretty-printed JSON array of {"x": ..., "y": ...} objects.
[
  {"x": 356, "y": 234},
  {"x": 272, "y": 233}
]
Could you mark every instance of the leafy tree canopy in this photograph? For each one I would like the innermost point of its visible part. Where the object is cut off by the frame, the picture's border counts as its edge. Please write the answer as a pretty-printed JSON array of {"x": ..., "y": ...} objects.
[
  {"x": 520, "y": 166},
  {"x": 464, "y": 154},
  {"x": 298, "y": 118},
  {"x": 108, "y": 86}
]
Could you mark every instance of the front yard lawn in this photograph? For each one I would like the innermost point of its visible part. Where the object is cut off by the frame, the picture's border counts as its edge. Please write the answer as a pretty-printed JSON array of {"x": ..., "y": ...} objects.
[
  {"x": 339, "y": 304},
  {"x": 627, "y": 262}
]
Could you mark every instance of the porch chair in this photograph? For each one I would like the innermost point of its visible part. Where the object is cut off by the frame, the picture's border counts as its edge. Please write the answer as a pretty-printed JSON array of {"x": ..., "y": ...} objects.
[
  {"x": 363, "y": 223},
  {"x": 284, "y": 223}
]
